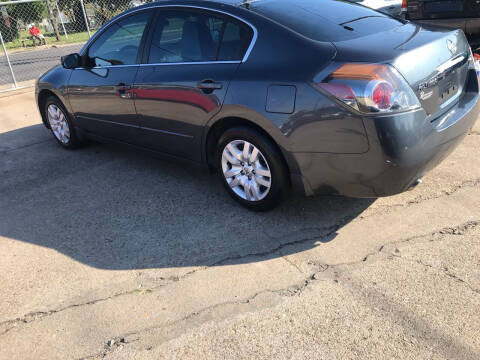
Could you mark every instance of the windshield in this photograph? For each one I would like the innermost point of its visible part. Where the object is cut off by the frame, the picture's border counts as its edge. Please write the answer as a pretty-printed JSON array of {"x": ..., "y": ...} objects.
[{"x": 324, "y": 20}]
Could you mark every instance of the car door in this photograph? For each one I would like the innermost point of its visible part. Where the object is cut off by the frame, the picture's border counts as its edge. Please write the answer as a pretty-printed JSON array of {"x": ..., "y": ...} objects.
[
  {"x": 191, "y": 58},
  {"x": 100, "y": 92}
]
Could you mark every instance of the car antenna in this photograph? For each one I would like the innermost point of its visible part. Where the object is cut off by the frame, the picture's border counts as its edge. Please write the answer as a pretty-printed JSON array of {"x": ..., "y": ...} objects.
[{"x": 247, "y": 3}]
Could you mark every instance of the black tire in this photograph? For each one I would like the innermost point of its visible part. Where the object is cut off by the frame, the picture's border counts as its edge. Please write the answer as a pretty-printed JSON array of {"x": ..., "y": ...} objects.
[
  {"x": 273, "y": 157},
  {"x": 74, "y": 141}
]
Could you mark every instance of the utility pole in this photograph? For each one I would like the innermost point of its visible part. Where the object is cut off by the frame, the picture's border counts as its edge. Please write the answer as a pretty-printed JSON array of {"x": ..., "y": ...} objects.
[{"x": 53, "y": 20}]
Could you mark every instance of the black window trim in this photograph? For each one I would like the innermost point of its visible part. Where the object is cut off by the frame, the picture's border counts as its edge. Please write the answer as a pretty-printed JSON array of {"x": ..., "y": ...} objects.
[{"x": 146, "y": 38}]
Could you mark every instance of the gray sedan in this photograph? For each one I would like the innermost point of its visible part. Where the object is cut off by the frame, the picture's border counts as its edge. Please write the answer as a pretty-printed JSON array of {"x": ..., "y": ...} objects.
[{"x": 315, "y": 96}]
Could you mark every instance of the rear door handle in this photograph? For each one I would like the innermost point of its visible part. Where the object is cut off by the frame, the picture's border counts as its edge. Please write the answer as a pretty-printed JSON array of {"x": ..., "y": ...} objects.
[
  {"x": 124, "y": 91},
  {"x": 209, "y": 86}
]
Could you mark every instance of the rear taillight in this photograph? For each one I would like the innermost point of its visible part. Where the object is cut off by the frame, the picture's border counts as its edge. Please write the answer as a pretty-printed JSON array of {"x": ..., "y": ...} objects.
[
  {"x": 474, "y": 62},
  {"x": 370, "y": 88},
  {"x": 382, "y": 95},
  {"x": 404, "y": 6}
]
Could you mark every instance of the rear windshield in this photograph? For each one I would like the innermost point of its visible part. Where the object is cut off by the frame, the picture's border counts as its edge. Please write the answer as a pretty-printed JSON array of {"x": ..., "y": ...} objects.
[{"x": 324, "y": 20}]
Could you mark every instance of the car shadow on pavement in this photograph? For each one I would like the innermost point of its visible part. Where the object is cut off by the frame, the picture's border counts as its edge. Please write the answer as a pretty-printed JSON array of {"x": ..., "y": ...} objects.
[{"x": 114, "y": 208}]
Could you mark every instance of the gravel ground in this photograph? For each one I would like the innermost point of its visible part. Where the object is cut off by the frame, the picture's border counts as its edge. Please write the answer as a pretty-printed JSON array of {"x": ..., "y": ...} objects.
[{"x": 109, "y": 253}]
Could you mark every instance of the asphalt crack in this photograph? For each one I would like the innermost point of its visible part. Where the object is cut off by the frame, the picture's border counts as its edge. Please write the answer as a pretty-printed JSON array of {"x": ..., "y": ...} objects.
[
  {"x": 473, "y": 183},
  {"x": 6, "y": 151},
  {"x": 37, "y": 315},
  {"x": 444, "y": 271},
  {"x": 30, "y": 317},
  {"x": 461, "y": 230},
  {"x": 329, "y": 230},
  {"x": 322, "y": 272},
  {"x": 323, "y": 233}
]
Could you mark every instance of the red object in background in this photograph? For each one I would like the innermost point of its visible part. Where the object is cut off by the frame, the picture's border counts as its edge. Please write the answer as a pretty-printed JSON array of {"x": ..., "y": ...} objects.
[
  {"x": 34, "y": 31},
  {"x": 476, "y": 56}
]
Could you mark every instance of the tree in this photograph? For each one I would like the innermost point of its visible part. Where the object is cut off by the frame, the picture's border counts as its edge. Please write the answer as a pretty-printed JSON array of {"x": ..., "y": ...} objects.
[
  {"x": 27, "y": 12},
  {"x": 73, "y": 9},
  {"x": 107, "y": 9},
  {"x": 8, "y": 27},
  {"x": 11, "y": 15},
  {"x": 53, "y": 19}
]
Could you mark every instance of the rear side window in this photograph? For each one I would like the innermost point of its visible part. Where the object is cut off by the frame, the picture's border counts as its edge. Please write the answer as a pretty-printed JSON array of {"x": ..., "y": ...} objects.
[
  {"x": 118, "y": 45},
  {"x": 193, "y": 36},
  {"x": 235, "y": 41},
  {"x": 325, "y": 20}
]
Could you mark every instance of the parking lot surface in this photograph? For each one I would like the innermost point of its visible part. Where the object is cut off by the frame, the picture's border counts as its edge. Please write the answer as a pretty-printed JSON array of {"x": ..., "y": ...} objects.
[{"x": 110, "y": 253}]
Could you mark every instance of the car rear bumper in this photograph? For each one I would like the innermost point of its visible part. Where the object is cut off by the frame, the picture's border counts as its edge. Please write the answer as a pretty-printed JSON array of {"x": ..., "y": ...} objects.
[{"x": 403, "y": 148}]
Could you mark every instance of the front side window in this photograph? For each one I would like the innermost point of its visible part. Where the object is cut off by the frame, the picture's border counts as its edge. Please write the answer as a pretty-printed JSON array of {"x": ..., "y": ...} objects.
[
  {"x": 118, "y": 45},
  {"x": 193, "y": 36}
]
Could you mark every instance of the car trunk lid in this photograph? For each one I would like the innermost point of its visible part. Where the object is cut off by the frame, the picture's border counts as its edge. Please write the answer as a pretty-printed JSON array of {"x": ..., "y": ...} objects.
[{"x": 434, "y": 63}]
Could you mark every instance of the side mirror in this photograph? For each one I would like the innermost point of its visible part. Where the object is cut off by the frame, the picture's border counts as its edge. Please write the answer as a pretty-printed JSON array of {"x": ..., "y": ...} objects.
[{"x": 71, "y": 61}]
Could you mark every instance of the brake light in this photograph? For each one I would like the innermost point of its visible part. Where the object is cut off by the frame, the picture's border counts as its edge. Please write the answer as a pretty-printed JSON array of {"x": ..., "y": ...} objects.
[
  {"x": 382, "y": 95},
  {"x": 370, "y": 88}
]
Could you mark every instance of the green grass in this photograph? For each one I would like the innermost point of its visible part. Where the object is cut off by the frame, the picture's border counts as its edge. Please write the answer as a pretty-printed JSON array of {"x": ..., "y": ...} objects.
[{"x": 51, "y": 39}]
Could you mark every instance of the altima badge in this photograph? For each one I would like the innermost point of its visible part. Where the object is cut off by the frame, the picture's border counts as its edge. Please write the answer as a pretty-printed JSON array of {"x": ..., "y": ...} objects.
[
  {"x": 451, "y": 46},
  {"x": 426, "y": 95}
]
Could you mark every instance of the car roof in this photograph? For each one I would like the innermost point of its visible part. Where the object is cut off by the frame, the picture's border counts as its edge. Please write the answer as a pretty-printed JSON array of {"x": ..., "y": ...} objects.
[
  {"x": 228, "y": 5},
  {"x": 213, "y": 3}
]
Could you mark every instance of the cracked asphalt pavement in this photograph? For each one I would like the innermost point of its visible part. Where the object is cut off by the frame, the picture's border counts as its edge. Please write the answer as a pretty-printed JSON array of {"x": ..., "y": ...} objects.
[{"x": 111, "y": 254}]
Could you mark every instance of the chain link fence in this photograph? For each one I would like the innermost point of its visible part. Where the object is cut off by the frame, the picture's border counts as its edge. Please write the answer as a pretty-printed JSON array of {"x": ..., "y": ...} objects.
[{"x": 34, "y": 34}]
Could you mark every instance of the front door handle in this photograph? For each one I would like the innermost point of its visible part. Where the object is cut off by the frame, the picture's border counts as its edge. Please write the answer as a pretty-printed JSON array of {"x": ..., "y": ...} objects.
[
  {"x": 124, "y": 91},
  {"x": 208, "y": 86}
]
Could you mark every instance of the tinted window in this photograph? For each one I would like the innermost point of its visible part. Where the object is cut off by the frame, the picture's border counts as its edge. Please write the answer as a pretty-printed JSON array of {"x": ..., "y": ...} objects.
[
  {"x": 192, "y": 36},
  {"x": 119, "y": 44},
  {"x": 235, "y": 41},
  {"x": 324, "y": 20}
]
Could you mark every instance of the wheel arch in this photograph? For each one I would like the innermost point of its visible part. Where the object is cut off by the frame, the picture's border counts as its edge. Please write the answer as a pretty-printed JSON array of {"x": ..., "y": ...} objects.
[
  {"x": 218, "y": 127},
  {"x": 42, "y": 97}
]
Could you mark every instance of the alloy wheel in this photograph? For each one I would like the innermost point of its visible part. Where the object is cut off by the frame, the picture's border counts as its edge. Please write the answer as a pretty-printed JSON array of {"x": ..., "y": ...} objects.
[{"x": 58, "y": 123}]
